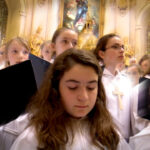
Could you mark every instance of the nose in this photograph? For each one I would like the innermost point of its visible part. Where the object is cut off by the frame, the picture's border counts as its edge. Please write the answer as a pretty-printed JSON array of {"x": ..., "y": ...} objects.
[
  {"x": 122, "y": 48},
  {"x": 20, "y": 55},
  {"x": 70, "y": 45},
  {"x": 83, "y": 95}
]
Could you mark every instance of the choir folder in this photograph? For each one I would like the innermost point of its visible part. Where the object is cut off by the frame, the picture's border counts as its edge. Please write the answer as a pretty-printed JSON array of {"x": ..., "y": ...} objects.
[{"x": 17, "y": 86}]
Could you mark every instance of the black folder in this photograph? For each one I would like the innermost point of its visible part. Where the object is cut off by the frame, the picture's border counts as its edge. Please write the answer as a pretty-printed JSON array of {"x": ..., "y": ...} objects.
[
  {"x": 144, "y": 98},
  {"x": 40, "y": 66},
  {"x": 17, "y": 86}
]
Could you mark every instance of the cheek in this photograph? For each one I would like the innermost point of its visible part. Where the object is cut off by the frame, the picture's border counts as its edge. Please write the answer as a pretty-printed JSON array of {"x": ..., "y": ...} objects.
[
  {"x": 26, "y": 57},
  {"x": 109, "y": 56},
  {"x": 65, "y": 94},
  {"x": 10, "y": 57},
  {"x": 93, "y": 96},
  {"x": 67, "y": 100},
  {"x": 58, "y": 49}
]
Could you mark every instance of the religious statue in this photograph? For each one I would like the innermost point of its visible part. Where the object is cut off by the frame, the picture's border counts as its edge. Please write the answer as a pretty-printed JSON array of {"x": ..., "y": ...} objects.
[
  {"x": 87, "y": 40},
  {"x": 122, "y": 5},
  {"x": 128, "y": 52},
  {"x": 41, "y": 2},
  {"x": 35, "y": 41},
  {"x": 70, "y": 13},
  {"x": 82, "y": 8}
]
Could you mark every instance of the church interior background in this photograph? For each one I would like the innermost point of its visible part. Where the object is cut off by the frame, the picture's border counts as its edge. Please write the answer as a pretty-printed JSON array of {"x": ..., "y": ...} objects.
[{"x": 36, "y": 21}]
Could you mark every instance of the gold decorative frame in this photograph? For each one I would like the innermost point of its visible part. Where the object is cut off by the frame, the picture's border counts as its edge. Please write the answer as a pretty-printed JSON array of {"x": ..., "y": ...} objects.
[{"x": 101, "y": 15}]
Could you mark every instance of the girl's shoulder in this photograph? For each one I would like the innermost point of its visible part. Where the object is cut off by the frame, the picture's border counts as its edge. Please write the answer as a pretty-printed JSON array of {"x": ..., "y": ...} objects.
[{"x": 17, "y": 126}]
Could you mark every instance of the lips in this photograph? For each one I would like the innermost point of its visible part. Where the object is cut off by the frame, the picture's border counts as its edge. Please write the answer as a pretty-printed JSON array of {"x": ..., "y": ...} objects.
[
  {"x": 78, "y": 106},
  {"x": 121, "y": 56}
]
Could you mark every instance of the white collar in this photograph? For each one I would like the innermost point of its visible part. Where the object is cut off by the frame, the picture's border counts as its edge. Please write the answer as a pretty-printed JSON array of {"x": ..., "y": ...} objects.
[{"x": 147, "y": 76}]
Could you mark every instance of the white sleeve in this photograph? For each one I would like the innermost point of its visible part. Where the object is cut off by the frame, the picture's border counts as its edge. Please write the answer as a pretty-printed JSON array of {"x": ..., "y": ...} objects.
[
  {"x": 141, "y": 140},
  {"x": 26, "y": 141},
  {"x": 10, "y": 131},
  {"x": 123, "y": 145}
]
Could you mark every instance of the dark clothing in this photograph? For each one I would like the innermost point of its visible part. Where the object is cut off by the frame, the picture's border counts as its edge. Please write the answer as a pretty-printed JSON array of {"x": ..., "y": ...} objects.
[{"x": 144, "y": 98}]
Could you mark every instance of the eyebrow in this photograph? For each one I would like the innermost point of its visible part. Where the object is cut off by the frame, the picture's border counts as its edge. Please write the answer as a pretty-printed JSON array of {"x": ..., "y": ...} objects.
[
  {"x": 118, "y": 44},
  {"x": 71, "y": 80}
]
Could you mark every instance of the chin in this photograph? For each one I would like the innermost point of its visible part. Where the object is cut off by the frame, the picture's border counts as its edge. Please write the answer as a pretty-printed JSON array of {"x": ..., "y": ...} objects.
[{"x": 80, "y": 116}]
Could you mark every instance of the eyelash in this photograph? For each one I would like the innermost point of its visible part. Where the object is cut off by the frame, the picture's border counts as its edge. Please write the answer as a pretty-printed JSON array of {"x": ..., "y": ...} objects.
[
  {"x": 74, "y": 88},
  {"x": 65, "y": 41},
  {"x": 14, "y": 51},
  {"x": 90, "y": 89}
]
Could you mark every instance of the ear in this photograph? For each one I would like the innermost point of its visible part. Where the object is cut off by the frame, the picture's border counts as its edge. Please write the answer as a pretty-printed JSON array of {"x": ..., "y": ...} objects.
[{"x": 101, "y": 54}]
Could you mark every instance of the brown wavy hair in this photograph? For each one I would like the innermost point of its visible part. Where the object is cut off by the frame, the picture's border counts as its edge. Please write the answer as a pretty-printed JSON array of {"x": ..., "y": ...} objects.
[{"x": 52, "y": 122}]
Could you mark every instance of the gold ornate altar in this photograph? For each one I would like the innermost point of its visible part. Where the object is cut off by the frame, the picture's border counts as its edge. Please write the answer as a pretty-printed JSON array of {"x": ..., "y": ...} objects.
[
  {"x": 35, "y": 41},
  {"x": 128, "y": 52},
  {"x": 87, "y": 40}
]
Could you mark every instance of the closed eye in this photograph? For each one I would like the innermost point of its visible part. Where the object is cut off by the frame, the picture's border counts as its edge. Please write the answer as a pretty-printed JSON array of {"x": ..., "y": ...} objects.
[
  {"x": 73, "y": 88},
  {"x": 90, "y": 88}
]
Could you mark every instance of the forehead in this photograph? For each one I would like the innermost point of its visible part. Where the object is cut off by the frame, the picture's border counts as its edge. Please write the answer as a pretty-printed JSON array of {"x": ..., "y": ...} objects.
[
  {"x": 47, "y": 45},
  {"x": 146, "y": 61},
  {"x": 114, "y": 40},
  {"x": 68, "y": 34},
  {"x": 79, "y": 71},
  {"x": 15, "y": 43}
]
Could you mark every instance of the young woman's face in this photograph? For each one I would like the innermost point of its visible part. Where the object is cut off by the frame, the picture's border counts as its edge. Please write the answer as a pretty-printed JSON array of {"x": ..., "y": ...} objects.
[
  {"x": 47, "y": 52},
  {"x": 145, "y": 65},
  {"x": 78, "y": 89},
  {"x": 67, "y": 39},
  {"x": 17, "y": 53},
  {"x": 113, "y": 53}
]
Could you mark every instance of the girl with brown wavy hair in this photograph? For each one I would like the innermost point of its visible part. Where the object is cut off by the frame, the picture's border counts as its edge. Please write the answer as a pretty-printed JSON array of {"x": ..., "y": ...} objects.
[{"x": 69, "y": 111}]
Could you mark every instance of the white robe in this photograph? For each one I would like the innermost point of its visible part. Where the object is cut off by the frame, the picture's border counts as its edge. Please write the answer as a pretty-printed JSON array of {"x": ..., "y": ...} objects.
[
  {"x": 122, "y": 117},
  {"x": 3, "y": 65},
  {"x": 82, "y": 141},
  {"x": 10, "y": 131}
]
